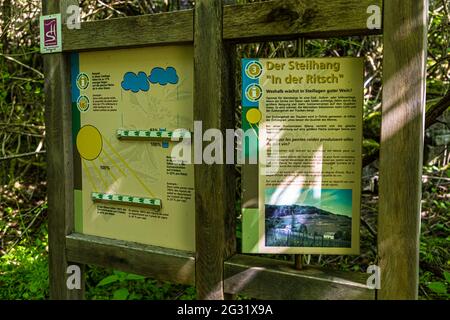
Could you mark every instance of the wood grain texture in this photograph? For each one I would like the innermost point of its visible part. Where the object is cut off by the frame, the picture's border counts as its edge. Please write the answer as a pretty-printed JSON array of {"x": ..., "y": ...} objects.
[
  {"x": 404, "y": 78},
  {"x": 278, "y": 20},
  {"x": 59, "y": 162},
  {"x": 264, "y": 278},
  {"x": 162, "y": 28},
  {"x": 293, "y": 18},
  {"x": 214, "y": 184},
  {"x": 159, "y": 263}
]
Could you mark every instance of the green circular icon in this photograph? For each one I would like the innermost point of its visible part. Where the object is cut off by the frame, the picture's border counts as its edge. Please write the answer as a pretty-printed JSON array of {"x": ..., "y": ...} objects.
[
  {"x": 83, "y": 103},
  {"x": 83, "y": 81},
  {"x": 253, "y": 69},
  {"x": 253, "y": 92}
]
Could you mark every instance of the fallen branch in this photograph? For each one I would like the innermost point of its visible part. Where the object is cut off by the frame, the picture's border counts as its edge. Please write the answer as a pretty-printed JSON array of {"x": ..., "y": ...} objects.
[
  {"x": 4, "y": 125},
  {"x": 437, "y": 110},
  {"x": 22, "y": 155},
  {"x": 369, "y": 227},
  {"x": 41, "y": 75},
  {"x": 29, "y": 226}
]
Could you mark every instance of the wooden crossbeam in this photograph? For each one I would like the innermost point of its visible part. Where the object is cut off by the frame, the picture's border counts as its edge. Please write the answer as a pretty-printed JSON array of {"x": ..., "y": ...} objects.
[
  {"x": 160, "y": 263},
  {"x": 271, "y": 20}
]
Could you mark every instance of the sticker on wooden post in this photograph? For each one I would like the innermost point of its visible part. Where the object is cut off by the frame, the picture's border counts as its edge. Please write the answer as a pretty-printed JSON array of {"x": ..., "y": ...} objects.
[{"x": 50, "y": 33}]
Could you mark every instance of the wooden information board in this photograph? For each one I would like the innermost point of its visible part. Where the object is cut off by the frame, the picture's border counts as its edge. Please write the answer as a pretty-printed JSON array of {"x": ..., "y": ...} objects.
[{"x": 213, "y": 30}]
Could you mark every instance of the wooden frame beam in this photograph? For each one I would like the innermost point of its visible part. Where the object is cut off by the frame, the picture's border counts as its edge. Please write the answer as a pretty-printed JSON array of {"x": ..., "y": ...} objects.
[
  {"x": 58, "y": 125},
  {"x": 156, "y": 262},
  {"x": 291, "y": 19},
  {"x": 214, "y": 184},
  {"x": 264, "y": 278},
  {"x": 401, "y": 151},
  {"x": 257, "y": 277},
  {"x": 151, "y": 29},
  {"x": 261, "y": 21}
]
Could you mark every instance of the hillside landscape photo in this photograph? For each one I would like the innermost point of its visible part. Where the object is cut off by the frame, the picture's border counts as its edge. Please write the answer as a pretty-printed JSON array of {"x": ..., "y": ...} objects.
[{"x": 306, "y": 226}]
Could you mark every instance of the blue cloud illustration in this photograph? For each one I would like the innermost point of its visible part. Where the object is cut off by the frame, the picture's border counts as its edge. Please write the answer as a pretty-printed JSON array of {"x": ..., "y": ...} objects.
[
  {"x": 135, "y": 82},
  {"x": 163, "y": 76}
]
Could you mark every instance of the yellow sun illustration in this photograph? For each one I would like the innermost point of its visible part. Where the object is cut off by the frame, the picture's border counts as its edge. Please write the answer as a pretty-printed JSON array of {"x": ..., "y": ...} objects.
[
  {"x": 89, "y": 142},
  {"x": 253, "y": 116}
]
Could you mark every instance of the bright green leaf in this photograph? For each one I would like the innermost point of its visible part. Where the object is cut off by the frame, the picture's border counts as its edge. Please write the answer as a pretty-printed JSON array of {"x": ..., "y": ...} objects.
[
  {"x": 370, "y": 143},
  {"x": 121, "y": 276},
  {"x": 438, "y": 287},
  {"x": 135, "y": 296},
  {"x": 109, "y": 279},
  {"x": 135, "y": 277},
  {"x": 447, "y": 276},
  {"x": 121, "y": 294}
]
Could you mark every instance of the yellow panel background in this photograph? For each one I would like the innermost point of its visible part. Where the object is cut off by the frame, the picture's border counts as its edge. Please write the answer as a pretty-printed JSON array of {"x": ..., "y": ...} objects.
[
  {"x": 351, "y": 70},
  {"x": 138, "y": 168}
]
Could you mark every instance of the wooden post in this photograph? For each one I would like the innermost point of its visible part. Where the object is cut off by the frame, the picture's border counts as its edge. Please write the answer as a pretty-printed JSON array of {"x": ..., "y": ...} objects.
[
  {"x": 59, "y": 162},
  {"x": 214, "y": 184},
  {"x": 404, "y": 79}
]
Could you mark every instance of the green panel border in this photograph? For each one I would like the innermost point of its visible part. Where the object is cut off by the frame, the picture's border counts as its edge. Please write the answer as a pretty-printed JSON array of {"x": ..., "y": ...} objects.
[
  {"x": 78, "y": 210},
  {"x": 250, "y": 230}
]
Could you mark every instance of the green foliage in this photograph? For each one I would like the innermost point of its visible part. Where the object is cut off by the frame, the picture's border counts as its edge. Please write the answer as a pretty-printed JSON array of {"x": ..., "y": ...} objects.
[
  {"x": 24, "y": 275},
  {"x": 24, "y": 269},
  {"x": 435, "y": 236},
  {"x": 438, "y": 287},
  {"x": 370, "y": 146},
  {"x": 116, "y": 285}
]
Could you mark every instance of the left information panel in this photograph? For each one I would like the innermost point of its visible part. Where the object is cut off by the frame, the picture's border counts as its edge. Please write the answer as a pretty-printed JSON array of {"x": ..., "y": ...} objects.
[{"x": 130, "y": 109}]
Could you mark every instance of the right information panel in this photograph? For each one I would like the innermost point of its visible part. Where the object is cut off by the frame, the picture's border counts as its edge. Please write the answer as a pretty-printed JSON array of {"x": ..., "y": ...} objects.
[{"x": 303, "y": 127}]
